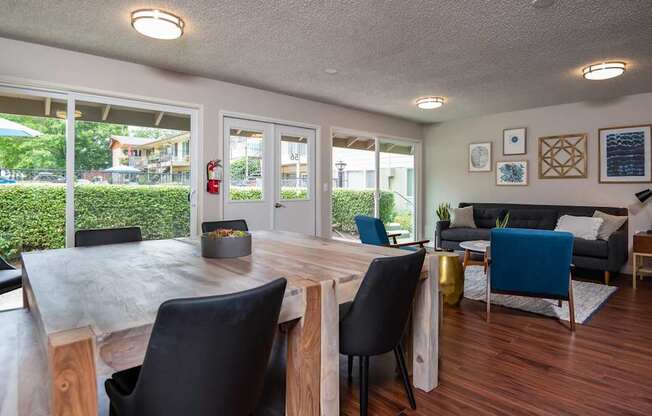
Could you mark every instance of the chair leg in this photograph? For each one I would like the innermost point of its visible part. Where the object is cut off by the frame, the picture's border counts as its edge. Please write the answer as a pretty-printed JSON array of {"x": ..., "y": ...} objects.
[
  {"x": 364, "y": 385},
  {"x": 559, "y": 303},
  {"x": 350, "y": 365},
  {"x": 571, "y": 305},
  {"x": 607, "y": 277},
  {"x": 400, "y": 359}
]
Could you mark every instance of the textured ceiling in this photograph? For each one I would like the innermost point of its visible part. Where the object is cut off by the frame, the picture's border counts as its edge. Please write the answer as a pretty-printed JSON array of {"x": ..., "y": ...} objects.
[{"x": 484, "y": 56}]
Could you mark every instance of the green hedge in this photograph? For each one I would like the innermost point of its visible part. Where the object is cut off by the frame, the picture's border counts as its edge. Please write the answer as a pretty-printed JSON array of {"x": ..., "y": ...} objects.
[
  {"x": 32, "y": 217},
  {"x": 347, "y": 203},
  {"x": 242, "y": 193}
]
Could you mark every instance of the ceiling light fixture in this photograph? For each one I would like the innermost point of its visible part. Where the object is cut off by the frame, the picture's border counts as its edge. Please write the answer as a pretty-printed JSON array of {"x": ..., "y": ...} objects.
[
  {"x": 330, "y": 71},
  {"x": 157, "y": 24},
  {"x": 64, "y": 114},
  {"x": 542, "y": 4},
  {"x": 604, "y": 70},
  {"x": 430, "y": 103}
]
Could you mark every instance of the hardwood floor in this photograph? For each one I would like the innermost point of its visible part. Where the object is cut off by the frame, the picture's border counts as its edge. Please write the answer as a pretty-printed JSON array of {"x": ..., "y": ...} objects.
[{"x": 525, "y": 364}]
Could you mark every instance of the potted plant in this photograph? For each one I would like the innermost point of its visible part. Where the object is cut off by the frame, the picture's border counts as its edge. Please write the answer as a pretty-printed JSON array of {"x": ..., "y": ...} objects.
[
  {"x": 225, "y": 243},
  {"x": 502, "y": 223},
  {"x": 444, "y": 214}
]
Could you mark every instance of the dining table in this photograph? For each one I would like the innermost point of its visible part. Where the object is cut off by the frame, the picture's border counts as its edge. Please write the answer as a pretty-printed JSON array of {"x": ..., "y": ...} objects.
[{"x": 94, "y": 308}]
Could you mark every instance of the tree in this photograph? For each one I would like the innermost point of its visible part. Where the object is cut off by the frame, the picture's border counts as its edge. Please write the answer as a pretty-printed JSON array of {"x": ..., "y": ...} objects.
[{"x": 238, "y": 168}]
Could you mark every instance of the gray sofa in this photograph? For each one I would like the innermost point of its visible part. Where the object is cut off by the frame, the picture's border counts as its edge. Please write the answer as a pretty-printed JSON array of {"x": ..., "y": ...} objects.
[{"x": 605, "y": 256}]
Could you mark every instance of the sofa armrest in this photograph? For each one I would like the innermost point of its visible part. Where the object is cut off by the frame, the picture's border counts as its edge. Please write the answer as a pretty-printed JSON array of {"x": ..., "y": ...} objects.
[
  {"x": 618, "y": 250},
  {"x": 439, "y": 227}
]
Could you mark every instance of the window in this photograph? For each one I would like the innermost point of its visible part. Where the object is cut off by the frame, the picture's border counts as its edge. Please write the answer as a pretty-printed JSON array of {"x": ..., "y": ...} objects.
[{"x": 246, "y": 165}]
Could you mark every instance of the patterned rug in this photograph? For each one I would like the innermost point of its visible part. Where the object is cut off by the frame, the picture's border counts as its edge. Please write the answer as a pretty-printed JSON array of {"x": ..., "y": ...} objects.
[{"x": 588, "y": 297}]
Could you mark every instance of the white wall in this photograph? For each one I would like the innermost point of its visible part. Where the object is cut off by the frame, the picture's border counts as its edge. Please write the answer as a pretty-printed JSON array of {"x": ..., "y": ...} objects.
[
  {"x": 33, "y": 64},
  {"x": 446, "y": 153}
]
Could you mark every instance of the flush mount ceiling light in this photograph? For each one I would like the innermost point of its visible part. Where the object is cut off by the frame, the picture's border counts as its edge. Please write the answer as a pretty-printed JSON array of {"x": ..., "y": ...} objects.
[
  {"x": 157, "y": 24},
  {"x": 430, "y": 103},
  {"x": 64, "y": 114},
  {"x": 604, "y": 70}
]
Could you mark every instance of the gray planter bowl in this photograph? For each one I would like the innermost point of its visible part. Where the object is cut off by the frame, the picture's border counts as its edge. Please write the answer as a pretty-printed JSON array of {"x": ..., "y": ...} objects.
[{"x": 225, "y": 247}]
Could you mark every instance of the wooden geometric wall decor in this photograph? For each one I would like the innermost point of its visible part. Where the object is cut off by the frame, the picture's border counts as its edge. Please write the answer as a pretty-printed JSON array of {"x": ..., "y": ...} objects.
[{"x": 563, "y": 157}]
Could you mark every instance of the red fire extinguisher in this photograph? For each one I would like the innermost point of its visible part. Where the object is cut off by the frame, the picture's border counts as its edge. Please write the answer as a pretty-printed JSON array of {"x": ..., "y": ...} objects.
[{"x": 213, "y": 176}]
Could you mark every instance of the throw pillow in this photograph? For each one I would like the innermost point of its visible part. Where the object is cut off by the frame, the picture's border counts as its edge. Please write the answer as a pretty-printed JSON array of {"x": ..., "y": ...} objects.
[
  {"x": 462, "y": 218},
  {"x": 581, "y": 227},
  {"x": 610, "y": 224}
]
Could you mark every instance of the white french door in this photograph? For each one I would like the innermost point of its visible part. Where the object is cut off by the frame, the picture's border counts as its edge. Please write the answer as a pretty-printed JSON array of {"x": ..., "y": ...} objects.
[{"x": 269, "y": 175}]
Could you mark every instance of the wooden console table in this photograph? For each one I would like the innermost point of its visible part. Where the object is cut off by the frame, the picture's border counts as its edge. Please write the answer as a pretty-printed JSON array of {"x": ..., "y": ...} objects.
[{"x": 642, "y": 249}]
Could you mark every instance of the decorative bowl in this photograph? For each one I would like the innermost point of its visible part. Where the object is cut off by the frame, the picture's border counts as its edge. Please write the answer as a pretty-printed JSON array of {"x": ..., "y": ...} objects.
[{"x": 225, "y": 244}]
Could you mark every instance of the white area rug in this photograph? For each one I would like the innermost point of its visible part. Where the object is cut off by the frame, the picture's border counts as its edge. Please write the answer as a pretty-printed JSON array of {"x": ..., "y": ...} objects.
[{"x": 588, "y": 297}]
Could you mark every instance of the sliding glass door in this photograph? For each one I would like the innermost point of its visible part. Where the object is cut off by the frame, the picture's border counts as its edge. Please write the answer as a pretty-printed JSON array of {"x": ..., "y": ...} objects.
[{"x": 376, "y": 177}]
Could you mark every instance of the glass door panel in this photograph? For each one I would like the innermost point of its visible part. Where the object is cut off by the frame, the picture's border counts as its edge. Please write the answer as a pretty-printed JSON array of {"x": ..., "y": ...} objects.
[
  {"x": 294, "y": 166},
  {"x": 32, "y": 172},
  {"x": 353, "y": 183},
  {"x": 132, "y": 168},
  {"x": 396, "y": 185},
  {"x": 246, "y": 164}
]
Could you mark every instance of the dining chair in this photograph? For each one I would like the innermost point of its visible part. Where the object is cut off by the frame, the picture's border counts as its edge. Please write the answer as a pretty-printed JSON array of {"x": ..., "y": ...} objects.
[
  {"x": 372, "y": 231},
  {"x": 208, "y": 226},
  {"x": 206, "y": 356},
  {"x": 374, "y": 322},
  {"x": 10, "y": 277},
  {"x": 535, "y": 263},
  {"x": 98, "y": 237}
]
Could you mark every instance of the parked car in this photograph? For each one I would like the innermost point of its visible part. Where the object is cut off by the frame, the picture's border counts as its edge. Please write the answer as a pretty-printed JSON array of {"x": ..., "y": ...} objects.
[
  {"x": 98, "y": 180},
  {"x": 6, "y": 181},
  {"x": 82, "y": 182},
  {"x": 49, "y": 177}
]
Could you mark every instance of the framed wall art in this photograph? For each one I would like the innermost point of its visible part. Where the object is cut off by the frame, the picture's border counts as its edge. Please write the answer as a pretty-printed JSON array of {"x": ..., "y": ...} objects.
[
  {"x": 562, "y": 157},
  {"x": 512, "y": 173},
  {"x": 625, "y": 154},
  {"x": 514, "y": 141},
  {"x": 480, "y": 157}
]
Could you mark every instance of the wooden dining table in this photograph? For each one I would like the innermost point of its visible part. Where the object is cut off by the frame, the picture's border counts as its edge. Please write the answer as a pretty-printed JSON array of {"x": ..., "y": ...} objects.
[{"x": 94, "y": 308}]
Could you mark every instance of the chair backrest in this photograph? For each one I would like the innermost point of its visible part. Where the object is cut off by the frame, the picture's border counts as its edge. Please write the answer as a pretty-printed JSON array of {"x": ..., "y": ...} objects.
[
  {"x": 376, "y": 320},
  {"x": 208, "y": 356},
  {"x": 371, "y": 230},
  {"x": 208, "y": 226},
  {"x": 87, "y": 238},
  {"x": 531, "y": 262}
]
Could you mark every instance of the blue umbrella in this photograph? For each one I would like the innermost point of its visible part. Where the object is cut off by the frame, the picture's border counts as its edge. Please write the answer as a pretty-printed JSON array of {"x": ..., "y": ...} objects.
[{"x": 11, "y": 129}]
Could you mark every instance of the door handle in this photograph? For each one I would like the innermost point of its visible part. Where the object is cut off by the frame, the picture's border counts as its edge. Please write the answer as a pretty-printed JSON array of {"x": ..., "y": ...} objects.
[{"x": 279, "y": 205}]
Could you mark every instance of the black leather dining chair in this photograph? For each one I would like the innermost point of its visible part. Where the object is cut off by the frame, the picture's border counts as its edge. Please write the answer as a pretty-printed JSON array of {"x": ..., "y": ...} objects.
[
  {"x": 374, "y": 322},
  {"x": 10, "y": 277},
  {"x": 208, "y": 226},
  {"x": 98, "y": 237},
  {"x": 206, "y": 356}
]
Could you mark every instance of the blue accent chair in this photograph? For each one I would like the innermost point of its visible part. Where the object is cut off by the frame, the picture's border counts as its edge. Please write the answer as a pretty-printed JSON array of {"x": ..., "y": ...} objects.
[
  {"x": 533, "y": 263},
  {"x": 372, "y": 231}
]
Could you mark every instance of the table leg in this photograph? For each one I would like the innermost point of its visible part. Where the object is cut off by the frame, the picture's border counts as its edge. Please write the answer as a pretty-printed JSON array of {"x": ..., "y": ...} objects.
[
  {"x": 425, "y": 330},
  {"x": 313, "y": 355},
  {"x": 72, "y": 369},
  {"x": 634, "y": 268},
  {"x": 467, "y": 257}
]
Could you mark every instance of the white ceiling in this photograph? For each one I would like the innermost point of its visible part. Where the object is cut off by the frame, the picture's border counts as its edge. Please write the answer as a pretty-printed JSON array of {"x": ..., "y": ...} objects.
[{"x": 484, "y": 56}]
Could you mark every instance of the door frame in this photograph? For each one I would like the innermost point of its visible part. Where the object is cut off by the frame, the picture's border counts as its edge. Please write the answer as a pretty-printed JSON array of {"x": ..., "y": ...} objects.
[
  {"x": 71, "y": 95},
  {"x": 418, "y": 172},
  {"x": 318, "y": 165}
]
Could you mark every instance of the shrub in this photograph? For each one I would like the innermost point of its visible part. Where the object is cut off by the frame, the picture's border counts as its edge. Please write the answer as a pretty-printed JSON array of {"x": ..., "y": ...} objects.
[
  {"x": 405, "y": 219},
  {"x": 32, "y": 217},
  {"x": 242, "y": 193},
  {"x": 347, "y": 203}
]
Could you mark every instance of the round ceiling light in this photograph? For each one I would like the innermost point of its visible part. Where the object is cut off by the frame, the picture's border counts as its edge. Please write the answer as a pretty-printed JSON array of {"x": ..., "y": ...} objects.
[
  {"x": 157, "y": 24},
  {"x": 430, "y": 103},
  {"x": 604, "y": 70}
]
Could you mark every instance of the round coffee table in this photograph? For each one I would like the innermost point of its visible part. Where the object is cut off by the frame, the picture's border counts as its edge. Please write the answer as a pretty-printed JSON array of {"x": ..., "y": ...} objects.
[{"x": 475, "y": 246}]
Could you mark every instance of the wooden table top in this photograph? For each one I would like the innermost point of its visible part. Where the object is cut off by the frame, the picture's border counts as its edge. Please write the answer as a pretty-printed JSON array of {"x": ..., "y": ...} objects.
[{"x": 118, "y": 287}]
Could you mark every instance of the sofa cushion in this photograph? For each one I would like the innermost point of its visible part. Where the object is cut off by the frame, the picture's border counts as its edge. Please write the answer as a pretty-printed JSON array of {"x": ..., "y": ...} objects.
[
  {"x": 462, "y": 218},
  {"x": 486, "y": 217},
  {"x": 544, "y": 219},
  {"x": 465, "y": 234},
  {"x": 590, "y": 248}
]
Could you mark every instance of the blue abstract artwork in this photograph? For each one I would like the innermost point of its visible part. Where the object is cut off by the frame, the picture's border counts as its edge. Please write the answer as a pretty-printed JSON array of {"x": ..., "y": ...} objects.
[
  {"x": 512, "y": 173},
  {"x": 625, "y": 154}
]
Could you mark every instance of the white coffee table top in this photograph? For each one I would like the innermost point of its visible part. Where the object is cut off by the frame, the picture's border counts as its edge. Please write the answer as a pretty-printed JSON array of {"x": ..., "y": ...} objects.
[{"x": 479, "y": 246}]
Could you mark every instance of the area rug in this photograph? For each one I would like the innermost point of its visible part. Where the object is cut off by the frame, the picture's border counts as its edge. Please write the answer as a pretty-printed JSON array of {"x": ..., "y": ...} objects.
[{"x": 588, "y": 297}]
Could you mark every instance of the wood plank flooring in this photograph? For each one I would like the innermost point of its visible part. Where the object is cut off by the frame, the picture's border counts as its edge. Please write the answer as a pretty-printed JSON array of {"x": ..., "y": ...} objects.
[{"x": 525, "y": 364}]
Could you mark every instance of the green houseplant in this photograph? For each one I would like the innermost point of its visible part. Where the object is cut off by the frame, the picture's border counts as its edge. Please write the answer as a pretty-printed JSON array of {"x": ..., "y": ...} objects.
[
  {"x": 503, "y": 223},
  {"x": 443, "y": 211}
]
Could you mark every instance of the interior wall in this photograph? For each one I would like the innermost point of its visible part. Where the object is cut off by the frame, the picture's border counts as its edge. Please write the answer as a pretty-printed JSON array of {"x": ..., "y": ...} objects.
[
  {"x": 446, "y": 158},
  {"x": 36, "y": 65}
]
